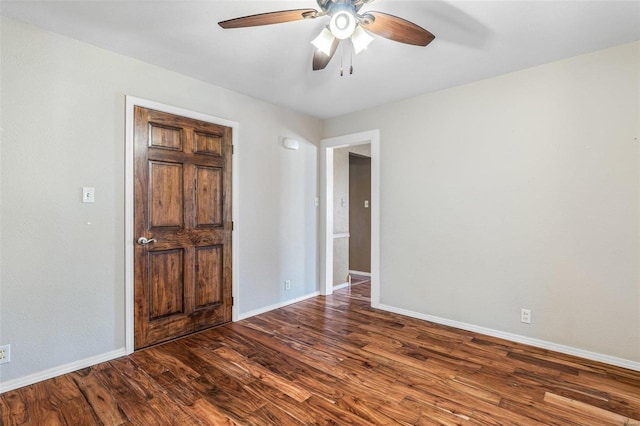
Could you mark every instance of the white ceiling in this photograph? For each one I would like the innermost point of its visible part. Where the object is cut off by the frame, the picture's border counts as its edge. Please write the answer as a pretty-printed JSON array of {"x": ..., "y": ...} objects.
[{"x": 474, "y": 40}]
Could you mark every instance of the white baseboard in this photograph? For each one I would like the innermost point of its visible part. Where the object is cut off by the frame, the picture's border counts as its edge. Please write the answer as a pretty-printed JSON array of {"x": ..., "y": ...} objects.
[
  {"x": 276, "y": 306},
  {"x": 594, "y": 356},
  {"x": 58, "y": 371},
  {"x": 339, "y": 286},
  {"x": 364, "y": 274}
]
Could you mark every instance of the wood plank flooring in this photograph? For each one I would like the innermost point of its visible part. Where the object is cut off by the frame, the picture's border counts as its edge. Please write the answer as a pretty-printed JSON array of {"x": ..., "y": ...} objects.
[{"x": 334, "y": 361}]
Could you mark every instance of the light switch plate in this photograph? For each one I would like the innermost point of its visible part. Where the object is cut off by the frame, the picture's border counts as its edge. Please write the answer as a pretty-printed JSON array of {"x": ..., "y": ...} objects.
[{"x": 88, "y": 194}]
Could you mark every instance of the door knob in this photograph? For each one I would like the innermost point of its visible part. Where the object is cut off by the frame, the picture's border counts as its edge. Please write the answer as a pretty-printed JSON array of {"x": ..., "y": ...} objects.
[{"x": 143, "y": 241}]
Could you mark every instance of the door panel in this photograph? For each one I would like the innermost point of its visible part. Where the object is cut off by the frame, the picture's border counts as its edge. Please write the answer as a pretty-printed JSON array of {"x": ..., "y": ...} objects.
[
  {"x": 166, "y": 192},
  {"x": 166, "y": 137},
  {"x": 209, "y": 198},
  {"x": 166, "y": 283},
  {"x": 208, "y": 144},
  {"x": 182, "y": 196},
  {"x": 209, "y": 276}
]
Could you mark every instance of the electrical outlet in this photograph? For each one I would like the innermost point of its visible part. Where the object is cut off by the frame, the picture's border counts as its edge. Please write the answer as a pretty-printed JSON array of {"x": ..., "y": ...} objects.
[
  {"x": 5, "y": 354},
  {"x": 525, "y": 316},
  {"x": 287, "y": 285}
]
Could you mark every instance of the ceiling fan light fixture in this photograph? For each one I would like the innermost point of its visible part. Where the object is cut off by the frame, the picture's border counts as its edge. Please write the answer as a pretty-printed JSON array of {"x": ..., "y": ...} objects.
[
  {"x": 343, "y": 23},
  {"x": 360, "y": 39},
  {"x": 323, "y": 41}
]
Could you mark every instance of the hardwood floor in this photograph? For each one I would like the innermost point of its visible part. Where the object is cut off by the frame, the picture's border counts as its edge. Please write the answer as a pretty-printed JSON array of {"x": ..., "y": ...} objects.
[{"x": 334, "y": 361}]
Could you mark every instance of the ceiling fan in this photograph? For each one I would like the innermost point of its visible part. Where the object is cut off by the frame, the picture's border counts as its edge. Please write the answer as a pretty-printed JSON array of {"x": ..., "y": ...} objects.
[{"x": 346, "y": 23}]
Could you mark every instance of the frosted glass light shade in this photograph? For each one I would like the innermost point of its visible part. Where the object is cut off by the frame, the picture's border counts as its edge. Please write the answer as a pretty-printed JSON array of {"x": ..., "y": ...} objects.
[
  {"x": 360, "y": 39},
  {"x": 324, "y": 41}
]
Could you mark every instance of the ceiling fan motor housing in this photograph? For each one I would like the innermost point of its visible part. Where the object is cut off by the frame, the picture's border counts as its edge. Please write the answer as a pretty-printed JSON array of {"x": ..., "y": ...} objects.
[{"x": 343, "y": 19}]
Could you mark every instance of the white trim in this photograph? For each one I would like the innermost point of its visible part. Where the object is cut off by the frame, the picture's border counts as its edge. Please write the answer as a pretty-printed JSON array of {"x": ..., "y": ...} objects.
[
  {"x": 277, "y": 305},
  {"x": 593, "y": 356},
  {"x": 129, "y": 203},
  {"x": 339, "y": 286},
  {"x": 326, "y": 220},
  {"x": 60, "y": 370},
  {"x": 342, "y": 235},
  {"x": 364, "y": 274},
  {"x": 326, "y": 214}
]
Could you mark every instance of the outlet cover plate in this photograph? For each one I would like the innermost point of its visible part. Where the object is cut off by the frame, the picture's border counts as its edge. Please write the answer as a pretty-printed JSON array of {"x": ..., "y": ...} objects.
[{"x": 5, "y": 354}]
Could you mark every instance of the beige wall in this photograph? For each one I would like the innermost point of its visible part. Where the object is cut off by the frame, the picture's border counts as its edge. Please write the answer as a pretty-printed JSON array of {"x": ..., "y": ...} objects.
[
  {"x": 62, "y": 262},
  {"x": 524, "y": 193}
]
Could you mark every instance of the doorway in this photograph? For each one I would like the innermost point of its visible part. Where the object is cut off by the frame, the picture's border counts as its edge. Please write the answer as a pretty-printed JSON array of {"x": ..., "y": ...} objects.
[
  {"x": 327, "y": 216},
  {"x": 351, "y": 214}
]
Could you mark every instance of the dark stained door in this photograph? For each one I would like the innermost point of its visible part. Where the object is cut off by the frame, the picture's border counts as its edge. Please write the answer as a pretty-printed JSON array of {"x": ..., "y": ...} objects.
[{"x": 183, "y": 209}]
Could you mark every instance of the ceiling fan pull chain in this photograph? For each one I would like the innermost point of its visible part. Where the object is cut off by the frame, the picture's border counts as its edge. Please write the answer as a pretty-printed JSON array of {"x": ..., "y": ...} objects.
[
  {"x": 341, "y": 59},
  {"x": 351, "y": 67}
]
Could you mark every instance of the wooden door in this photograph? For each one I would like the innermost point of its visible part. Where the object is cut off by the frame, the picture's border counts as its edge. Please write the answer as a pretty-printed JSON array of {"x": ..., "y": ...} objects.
[{"x": 183, "y": 208}]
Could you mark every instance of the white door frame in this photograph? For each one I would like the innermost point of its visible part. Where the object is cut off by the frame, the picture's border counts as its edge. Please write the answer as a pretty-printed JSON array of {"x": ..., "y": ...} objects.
[
  {"x": 326, "y": 214},
  {"x": 129, "y": 204}
]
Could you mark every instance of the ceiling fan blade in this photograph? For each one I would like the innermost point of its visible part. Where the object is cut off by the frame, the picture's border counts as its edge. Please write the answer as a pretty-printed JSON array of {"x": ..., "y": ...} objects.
[
  {"x": 397, "y": 29},
  {"x": 320, "y": 60},
  {"x": 269, "y": 18}
]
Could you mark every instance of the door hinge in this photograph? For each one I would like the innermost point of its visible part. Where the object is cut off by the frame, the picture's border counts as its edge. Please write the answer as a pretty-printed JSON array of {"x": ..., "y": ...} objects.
[
  {"x": 232, "y": 301},
  {"x": 232, "y": 225},
  {"x": 233, "y": 149}
]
